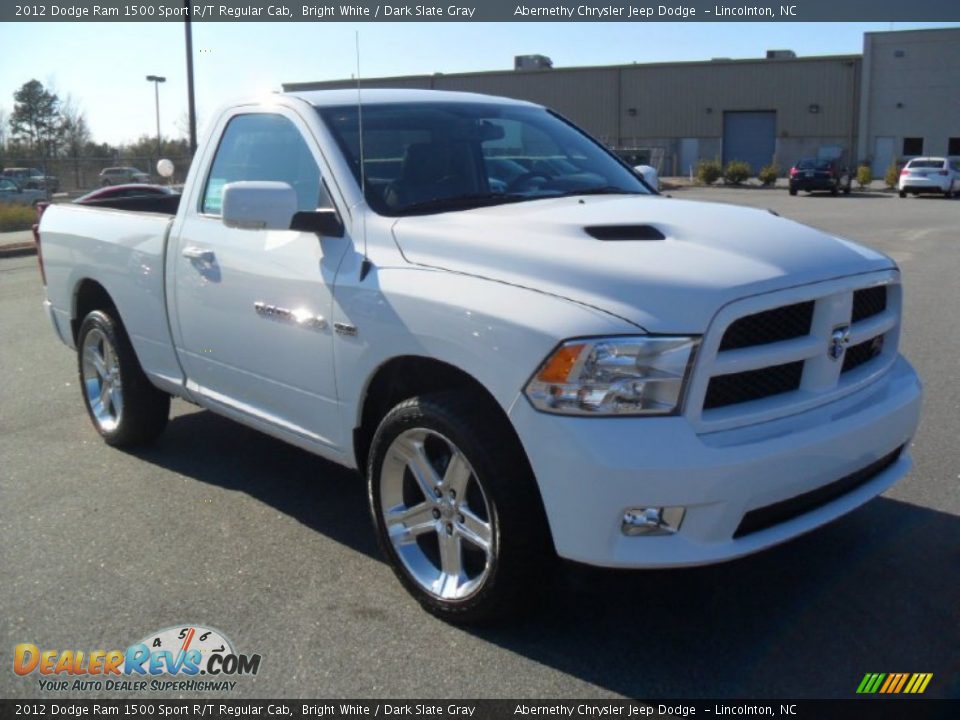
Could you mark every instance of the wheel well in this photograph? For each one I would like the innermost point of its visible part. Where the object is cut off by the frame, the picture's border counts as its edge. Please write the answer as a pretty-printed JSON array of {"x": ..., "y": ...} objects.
[
  {"x": 405, "y": 377},
  {"x": 90, "y": 296}
]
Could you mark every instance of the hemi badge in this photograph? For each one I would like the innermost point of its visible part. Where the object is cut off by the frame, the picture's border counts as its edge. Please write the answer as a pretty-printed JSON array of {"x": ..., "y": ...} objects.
[{"x": 345, "y": 329}]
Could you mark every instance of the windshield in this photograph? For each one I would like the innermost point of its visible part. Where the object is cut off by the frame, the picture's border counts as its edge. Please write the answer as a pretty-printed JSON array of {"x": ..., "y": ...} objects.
[
  {"x": 925, "y": 164},
  {"x": 433, "y": 157}
]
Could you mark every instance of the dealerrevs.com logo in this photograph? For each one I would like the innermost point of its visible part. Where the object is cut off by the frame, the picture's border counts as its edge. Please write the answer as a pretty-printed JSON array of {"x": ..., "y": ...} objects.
[{"x": 180, "y": 658}]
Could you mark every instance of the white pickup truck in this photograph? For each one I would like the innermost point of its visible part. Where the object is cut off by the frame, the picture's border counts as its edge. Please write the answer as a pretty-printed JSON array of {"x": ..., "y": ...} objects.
[{"x": 527, "y": 352}]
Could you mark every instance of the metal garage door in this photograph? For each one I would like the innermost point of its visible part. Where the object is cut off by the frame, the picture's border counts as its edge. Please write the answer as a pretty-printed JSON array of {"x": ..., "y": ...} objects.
[{"x": 749, "y": 136}]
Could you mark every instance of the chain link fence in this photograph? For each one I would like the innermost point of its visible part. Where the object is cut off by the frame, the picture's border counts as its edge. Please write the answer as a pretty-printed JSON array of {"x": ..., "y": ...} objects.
[{"x": 76, "y": 175}]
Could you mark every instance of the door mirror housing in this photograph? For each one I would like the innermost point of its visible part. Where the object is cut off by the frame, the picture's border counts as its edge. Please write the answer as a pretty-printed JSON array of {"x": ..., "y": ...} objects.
[
  {"x": 258, "y": 205},
  {"x": 269, "y": 205}
]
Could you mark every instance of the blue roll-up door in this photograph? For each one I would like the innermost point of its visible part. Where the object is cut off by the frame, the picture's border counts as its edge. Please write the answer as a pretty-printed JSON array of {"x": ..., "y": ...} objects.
[{"x": 750, "y": 136}]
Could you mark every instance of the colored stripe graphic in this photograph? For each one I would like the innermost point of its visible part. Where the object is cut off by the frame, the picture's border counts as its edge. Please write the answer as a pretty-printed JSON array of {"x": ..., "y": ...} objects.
[{"x": 894, "y": 683}]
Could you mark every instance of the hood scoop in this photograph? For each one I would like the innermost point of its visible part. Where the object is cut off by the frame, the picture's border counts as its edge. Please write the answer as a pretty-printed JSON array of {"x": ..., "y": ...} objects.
[{"x": 624, "y": 232}]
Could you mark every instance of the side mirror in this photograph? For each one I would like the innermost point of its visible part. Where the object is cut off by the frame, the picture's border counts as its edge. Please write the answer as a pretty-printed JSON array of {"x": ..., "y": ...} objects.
[
  {"x": 268, "y": 205},
  {"x": 258, "y": 205}
]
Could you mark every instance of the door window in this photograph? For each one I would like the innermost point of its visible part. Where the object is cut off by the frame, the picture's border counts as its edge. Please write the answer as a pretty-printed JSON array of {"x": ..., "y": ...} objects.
[{"x": 264, "y": 147}]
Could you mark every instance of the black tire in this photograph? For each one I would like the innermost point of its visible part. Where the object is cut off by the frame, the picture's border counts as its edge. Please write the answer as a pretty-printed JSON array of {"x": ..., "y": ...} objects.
[
  {"x": 142, "y": 411},
  {"x": 903, "y": 194},
  {"x": 846, "y": 190},
  {"x": 793, "y": 191},
  {"x": 521, "y": 553},
  {"x": 835, "y": 190}
]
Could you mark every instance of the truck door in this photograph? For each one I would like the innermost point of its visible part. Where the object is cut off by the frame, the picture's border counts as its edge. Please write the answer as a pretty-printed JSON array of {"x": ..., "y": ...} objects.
[{"x": 252, "y": 307}]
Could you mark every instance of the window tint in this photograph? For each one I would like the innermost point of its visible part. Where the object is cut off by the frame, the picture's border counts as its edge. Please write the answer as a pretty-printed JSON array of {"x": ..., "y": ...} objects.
[
  {"x": 934, "y": 163},
  {"x": 432, "y": 157},
  {"x": 263, "y": 147},
  {"x": 7, "y": 185},
  {"x": 913, "y": 146}
]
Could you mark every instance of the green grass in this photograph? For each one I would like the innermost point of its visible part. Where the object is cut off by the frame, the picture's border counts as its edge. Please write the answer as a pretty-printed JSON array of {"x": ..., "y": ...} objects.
[{"x": 16, "y": 217}]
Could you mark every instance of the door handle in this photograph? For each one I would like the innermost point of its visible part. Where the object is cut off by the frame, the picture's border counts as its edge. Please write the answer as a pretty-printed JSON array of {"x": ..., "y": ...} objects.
[{"x": 195, "y": 253}]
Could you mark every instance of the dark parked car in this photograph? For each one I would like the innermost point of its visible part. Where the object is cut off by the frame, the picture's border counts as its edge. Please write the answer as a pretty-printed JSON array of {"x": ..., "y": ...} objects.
[
  {"x": 813, "y": 174},
  {"x": 125, "y": 191}
]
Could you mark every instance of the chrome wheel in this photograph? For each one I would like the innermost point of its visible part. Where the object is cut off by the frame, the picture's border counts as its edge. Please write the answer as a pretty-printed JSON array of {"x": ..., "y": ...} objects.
[
  {"x": 100, "y": 373},
  {"x": 436, "y": 515}
]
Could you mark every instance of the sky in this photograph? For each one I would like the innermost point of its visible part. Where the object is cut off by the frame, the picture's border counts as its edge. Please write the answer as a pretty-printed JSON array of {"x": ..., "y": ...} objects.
[{"x": 103, "y": 66}]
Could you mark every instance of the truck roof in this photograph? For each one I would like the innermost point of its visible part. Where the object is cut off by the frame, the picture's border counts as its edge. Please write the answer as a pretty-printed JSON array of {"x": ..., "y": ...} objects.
[{"x": 348, "y": 96}]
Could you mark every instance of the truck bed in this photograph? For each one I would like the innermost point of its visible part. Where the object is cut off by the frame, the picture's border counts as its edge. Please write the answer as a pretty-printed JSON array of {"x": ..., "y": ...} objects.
[{"x": 119, "y": 245}]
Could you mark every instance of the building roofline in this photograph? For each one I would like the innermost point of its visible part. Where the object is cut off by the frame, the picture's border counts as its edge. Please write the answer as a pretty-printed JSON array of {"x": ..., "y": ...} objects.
[
  {"x": 913, "y": 30},
  {"x": 366, "y": 82}
]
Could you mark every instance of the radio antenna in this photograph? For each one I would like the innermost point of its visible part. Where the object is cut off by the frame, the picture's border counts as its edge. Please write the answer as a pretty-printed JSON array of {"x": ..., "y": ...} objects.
[{"x": 365, "y": 264}]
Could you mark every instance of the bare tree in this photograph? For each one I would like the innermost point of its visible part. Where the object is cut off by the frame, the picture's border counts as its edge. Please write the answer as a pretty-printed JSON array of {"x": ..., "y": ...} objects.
[{"x": 75, "y": 132}]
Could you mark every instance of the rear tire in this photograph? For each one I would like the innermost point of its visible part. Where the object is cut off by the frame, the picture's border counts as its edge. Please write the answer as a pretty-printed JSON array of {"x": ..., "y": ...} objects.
[
  {"x": 125, "y": 408},
  {"x": 903, "y": 194},
  {"x": 456, "y": 508},
  {"x": 793, "y": 191}
]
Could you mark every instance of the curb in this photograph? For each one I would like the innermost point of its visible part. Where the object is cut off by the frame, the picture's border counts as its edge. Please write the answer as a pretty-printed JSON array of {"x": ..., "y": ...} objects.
[{"x": 18, "y": 250}]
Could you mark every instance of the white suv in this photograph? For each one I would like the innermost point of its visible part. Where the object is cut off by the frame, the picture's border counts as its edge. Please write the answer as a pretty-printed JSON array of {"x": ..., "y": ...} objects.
[
  {"x": 930, "y": 175},
  {"x": 120, "y": 175}
]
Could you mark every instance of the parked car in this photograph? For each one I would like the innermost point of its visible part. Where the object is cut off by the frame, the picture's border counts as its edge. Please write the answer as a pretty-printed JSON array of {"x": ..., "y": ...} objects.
[
  {"x": 125, "y": 191},
  {"x": 575, "y": 366},
  {"x": 820, "y": 174},
  {"x": 10, "y": 192},
  {"x": 119, "y": 175},
  {"x": 930, "y": 175},
  {"x": 32, "y": 179}
]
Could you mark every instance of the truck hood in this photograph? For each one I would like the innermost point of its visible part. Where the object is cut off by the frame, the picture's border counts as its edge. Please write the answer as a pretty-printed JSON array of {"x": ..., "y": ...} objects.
[{"x": 710, "y": 253}]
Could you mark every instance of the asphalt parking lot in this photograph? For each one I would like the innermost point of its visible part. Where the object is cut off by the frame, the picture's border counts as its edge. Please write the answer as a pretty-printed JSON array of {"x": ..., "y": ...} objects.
[{"x": 221, "y": 526}]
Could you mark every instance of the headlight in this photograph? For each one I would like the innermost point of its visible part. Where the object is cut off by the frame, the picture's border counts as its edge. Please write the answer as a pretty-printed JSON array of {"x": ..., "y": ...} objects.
[{"x": 613, "y": 376}]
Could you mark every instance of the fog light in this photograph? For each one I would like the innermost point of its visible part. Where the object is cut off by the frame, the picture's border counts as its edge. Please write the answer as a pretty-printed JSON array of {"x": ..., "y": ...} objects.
[{"x": 652, "y": 521}]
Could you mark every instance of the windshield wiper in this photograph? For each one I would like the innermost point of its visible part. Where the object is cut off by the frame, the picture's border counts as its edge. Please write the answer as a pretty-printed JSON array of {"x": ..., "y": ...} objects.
[{"x": 461, "y": 202}]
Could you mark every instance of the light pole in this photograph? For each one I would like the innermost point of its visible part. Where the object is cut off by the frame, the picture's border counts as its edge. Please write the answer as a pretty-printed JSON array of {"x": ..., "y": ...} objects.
[{"x": 156, "y": 80}]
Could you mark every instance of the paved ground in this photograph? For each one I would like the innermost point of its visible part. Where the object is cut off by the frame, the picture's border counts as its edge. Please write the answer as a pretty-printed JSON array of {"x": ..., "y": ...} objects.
[{"x": 220, "y": 525}]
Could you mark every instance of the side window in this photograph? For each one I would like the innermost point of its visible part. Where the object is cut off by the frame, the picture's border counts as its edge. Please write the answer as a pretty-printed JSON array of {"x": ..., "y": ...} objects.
[{"x": 264, "y": 147}]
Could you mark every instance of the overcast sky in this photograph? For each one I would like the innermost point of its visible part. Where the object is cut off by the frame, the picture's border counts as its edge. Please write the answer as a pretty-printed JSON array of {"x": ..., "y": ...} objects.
[{"x": 103, "y": 65}]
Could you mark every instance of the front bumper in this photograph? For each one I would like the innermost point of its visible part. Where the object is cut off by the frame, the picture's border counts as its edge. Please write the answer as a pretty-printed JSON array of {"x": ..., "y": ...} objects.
[{"x": 591, "y": 470}]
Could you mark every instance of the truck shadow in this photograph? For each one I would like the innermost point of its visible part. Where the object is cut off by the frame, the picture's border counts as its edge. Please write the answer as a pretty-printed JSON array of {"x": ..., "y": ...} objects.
[
  {"x": 323, "y": 496},
  {"x": 877, "y": 591}
]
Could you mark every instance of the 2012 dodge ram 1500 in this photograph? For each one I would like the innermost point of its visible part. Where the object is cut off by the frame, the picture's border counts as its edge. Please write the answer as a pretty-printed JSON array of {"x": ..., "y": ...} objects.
[{"x": 526, "y": 350}]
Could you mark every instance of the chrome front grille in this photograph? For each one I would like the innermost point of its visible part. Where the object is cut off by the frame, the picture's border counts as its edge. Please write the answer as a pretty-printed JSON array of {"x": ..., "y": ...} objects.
[{"x": 776, "y": 354}]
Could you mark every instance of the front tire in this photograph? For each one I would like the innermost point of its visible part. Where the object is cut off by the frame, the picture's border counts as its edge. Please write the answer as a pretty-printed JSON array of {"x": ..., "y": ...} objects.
[
  {"x": 456, "y": 509},
  {"x": 125, "y": 408}
]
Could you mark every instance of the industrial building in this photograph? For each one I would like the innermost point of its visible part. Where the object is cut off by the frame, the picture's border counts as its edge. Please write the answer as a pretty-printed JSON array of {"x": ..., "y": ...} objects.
[{"x": 899, "y": 99}]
